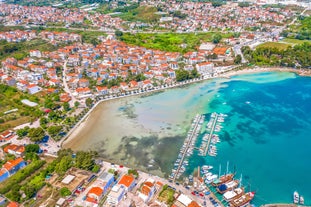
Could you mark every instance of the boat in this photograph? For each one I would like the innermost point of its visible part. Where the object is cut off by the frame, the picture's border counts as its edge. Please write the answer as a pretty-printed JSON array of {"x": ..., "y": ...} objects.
[
  {"x": 296, "y": 197},
  {"x": 207, "y": 167},
  {"x": 227, "y": 186},
  {"x": 244, "y": 200},
  {"x": 301, "y": 200},
  {"x": 223, "y": 179},
  {"x": 233, "y": 194}
]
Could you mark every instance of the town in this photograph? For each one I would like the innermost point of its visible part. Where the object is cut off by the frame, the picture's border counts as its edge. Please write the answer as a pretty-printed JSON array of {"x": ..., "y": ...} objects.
[{"x": 58, "y": 63}]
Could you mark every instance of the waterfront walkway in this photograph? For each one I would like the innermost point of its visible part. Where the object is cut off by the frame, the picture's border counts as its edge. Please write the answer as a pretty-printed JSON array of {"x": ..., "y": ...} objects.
[
  {"x": 192, "y": 136},
  {"x": 210, "y": 135}
]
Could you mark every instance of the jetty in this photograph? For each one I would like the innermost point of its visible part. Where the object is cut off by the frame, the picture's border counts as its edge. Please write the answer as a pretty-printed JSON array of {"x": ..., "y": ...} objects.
[
  {"x": 210, "y": 135},
  {"x": 187, "y": 148}
]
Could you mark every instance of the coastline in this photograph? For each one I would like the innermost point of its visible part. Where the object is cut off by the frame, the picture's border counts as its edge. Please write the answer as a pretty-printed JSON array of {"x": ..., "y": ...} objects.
[{"x": 228, "y": 74}]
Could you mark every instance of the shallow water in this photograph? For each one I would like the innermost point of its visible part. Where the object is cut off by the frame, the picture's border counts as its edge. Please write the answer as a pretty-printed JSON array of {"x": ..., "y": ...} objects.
[{"x": 265, "y": 136}]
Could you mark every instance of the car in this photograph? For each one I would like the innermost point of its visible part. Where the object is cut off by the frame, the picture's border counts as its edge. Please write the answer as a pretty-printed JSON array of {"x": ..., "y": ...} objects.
[
  {"x": 193, "y": 193},
  {"x": 187, "y": 188},
  {"x": 177, "y": 183},
  {"x": 201, "y": 194},
  {"x": 207, "y": 193}
]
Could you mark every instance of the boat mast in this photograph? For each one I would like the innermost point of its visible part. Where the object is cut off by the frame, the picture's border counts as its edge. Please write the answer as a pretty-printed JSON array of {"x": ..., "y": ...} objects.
[
  {"x": 219, "y": 170},
  {"x": 227, "y": 167},
  {"x": 240, "y": 181}
]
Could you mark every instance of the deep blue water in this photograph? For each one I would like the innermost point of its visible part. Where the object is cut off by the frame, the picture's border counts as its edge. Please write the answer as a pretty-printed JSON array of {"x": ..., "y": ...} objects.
[{"x": 266, "y": 136}]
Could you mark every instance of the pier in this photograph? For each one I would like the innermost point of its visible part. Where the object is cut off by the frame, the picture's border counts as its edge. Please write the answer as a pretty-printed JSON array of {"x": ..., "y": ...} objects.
[
  {"x": 192, "y": 135},
  {"x": 210, "y": 135}
]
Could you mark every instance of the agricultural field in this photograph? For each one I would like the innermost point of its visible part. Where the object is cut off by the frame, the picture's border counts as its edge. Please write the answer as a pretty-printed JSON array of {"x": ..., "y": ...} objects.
[
  {"x": 278, "y": 45},
  {"x": 171, "y": 42}
]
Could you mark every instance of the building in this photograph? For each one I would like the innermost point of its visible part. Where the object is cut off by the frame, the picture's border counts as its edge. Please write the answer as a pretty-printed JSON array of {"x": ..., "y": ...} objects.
[
  {"x": 94, "y": 195},
  {"x": 205, "y": 68},
  {"x": 107, "y": 180},
  {"x": 147, "y": 190},
  {"x": 13, "y": 149},
  {"x": 11, "y": 167},
  {"x": 33, "y": 88},
  {"x": 116, "y": 194},
  {"x": 128, "y": 181},
  {"x": 185, "y": 201}
]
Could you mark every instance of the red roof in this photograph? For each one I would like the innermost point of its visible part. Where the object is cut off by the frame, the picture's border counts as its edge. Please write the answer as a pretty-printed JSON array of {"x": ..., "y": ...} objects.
[
  {"x": 13, "y": 204},
  {"x": 96, "y": 191},
  {"x": 127, "y": 180},
  {"x": 12, "y": 163}
]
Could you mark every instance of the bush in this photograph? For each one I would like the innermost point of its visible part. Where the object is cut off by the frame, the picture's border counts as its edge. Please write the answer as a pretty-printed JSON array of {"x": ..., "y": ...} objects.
[{"x": 64, "y": 192}]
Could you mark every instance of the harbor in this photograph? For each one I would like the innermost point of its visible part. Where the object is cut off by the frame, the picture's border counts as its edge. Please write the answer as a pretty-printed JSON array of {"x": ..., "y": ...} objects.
[
  {"x": 210, "y": 139},
  {"x": 187, "y": 149}
]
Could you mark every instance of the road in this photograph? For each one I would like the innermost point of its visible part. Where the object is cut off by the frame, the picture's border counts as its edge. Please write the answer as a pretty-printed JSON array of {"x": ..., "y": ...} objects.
[{"x": 65, "y": 85}]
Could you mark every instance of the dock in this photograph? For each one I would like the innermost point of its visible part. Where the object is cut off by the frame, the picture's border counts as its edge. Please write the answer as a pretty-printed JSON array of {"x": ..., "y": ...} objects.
[
  {"x": 210, "y": 135},
  {"x": 188, "y": 145}
]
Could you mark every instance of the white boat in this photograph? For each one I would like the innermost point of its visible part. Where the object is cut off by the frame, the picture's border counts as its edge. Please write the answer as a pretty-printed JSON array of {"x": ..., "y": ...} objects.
[
  {"x": 296, "y": 197},
  {"x": 233, "y": 194},
  {"x": 207, "y": 167},
  {"x": 301, "y": 200}
]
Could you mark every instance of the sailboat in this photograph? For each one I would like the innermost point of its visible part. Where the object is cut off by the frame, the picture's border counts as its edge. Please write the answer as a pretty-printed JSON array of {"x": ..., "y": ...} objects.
[
  {"x": 296, "y": 197},
  {"x": 224, "y": 178}
]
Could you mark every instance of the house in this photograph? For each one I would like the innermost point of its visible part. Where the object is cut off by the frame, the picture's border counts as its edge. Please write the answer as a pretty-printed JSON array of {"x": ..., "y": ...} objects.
[
  {"x": 147, "y": 84},
  {"x": 124, "y": 86},
  {"x": 17, "y": 150},
  {"x": 54, "y": 82},
  {"x": 65, "y": 97},
  {"x": 33, "y": 88},
  {"x": 13, "y": 204},
  {"x": 6, "y": 135},
  {"x": 11, "y": 167},
  {"x": 133, "y": 84},
  {"x": 10, "y": 81},
  {"x": 35, "y": 53},
  {"x": 116, "y": 194},
  {"x": 84, "y": 83},
  {"x": 102, "y": 90},
  {"x": 107, "y": 180},
  {"x": 128, "y": 181},
  {"x": 83, "y": 91},
  {"x": 205, "y": 68},
  {"x": 147, "y": 190},
  {"x": 94, "y": 195}
]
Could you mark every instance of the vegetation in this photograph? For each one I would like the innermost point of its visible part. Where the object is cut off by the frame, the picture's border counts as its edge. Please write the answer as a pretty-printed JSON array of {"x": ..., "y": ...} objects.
[
  {"x": 136, "y": 13},
  {"x": 133, "y": 172},
  {"x": 278, "y": 45},
  {"x": 10, "y": 98},
  {"x": 238, "y": 59},
  {"x": 64, "y": 192},
  {"x": 20, "y": 50},
  {"x": 298, "y": 56},
  {"x": 172, "y": 42},
  {"x": 167, "y": 195},
  {"x": 182, "y": 75}
]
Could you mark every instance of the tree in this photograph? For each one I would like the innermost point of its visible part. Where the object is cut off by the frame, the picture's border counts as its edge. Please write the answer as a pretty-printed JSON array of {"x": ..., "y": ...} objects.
[
  {"x": 66, "y": 106},
  {"x": 89, "y": 102},
  {"x": 181, "y": 75},
  {"x": 54, "y": 130},
  {"x": 65, "y": 192},
  {"x": 22, "y": 132},
  {"x": 32, "y": 148},
  {"x": 76, "y": 104},
  {"x": 216, "y": 38},
  {"x": 43, "y": 121},
  {"x": 84, "y": 160},
  {"x": 36, "y": 134},
  {"x": 118, "y": 33},
  {"x": 64, "y": 164},
  {"x": 238, "y": 59}
]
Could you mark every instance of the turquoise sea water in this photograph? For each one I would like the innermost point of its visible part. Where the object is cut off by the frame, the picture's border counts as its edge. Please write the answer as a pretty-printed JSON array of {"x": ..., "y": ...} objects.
[{"x": 266, "y": 136}]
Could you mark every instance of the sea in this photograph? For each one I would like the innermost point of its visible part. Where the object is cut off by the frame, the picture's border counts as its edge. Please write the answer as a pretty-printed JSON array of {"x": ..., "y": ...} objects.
[{"x": 265, "y": 138}]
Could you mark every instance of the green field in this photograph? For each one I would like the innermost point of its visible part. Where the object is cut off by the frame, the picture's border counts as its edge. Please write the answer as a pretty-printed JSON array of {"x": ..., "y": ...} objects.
[
  {"x": 143, "y": 14},
  {"x": 171, "y": 42},
  {"x": 278, "y": 45},
  {"x": 21, "y": 49},
  {"x": 295, "y": 41}
]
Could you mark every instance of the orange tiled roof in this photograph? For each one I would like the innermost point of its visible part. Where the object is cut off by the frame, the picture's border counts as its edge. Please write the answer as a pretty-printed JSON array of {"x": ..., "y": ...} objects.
[
  {"x": 14, "y": 147},
  {"x": 127, "y": 180},
  {"x": 12, "y": 163},
  {"x": 96, "y": 190},
  {"x": 13, "y": 204}
]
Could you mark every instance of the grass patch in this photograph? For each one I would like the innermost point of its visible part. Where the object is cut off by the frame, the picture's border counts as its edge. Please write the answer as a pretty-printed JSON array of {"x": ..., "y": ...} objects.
[
  {"x": 167, "y": 195},
  {"x": 170, "y": 42},
  {"x": 278, "y": 45},
  {"x": 143, "y": 14},
  {"x": 295, "y": 41}
]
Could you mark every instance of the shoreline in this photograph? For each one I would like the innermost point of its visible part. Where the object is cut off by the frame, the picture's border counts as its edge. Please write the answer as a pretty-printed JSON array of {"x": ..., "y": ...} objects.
[{"x": 227, "y": 74}]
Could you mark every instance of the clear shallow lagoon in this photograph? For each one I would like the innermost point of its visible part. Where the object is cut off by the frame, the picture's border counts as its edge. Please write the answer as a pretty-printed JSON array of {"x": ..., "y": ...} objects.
[{"x": 266, "y": 135}]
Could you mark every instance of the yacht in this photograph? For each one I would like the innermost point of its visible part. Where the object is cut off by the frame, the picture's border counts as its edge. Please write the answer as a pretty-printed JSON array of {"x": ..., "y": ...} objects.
[
  {"x": 233, "y": 194},
  {"x": 296, "y": 197}
]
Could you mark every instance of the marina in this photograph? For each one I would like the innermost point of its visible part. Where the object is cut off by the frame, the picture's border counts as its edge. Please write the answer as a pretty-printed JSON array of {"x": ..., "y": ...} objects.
[
  {"x": 187, "y": 148},
  {"x": 210, "y": 139}
]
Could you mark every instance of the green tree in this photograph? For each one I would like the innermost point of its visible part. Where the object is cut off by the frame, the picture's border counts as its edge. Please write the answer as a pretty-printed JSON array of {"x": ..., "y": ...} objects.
[
  {"x": 89, "y": 102},
  {"x": 64, "y": 164},
  {"x": 238, "y": 59},
  {"x": 66, "y": 106},
  {"x": 43, "y": 121},
  {"x": 22, "y": 132},
  {"x": 85, "y": 160},
  {"x": 32, "y": 148},
  {"x": 118, "y": 33},
  {"x": 36, "y": 134},
  {"x": 76, "y": 104},
  {"x": 65, "y": 192},
  {"x": 216, "y": 38},
  {"x": 54, "y": 130},
  {"x": 181, "y": 75}
]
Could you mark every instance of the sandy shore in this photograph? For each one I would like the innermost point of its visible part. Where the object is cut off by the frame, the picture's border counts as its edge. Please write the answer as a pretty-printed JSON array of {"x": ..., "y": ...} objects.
[{"x": 81, "y": 127}]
